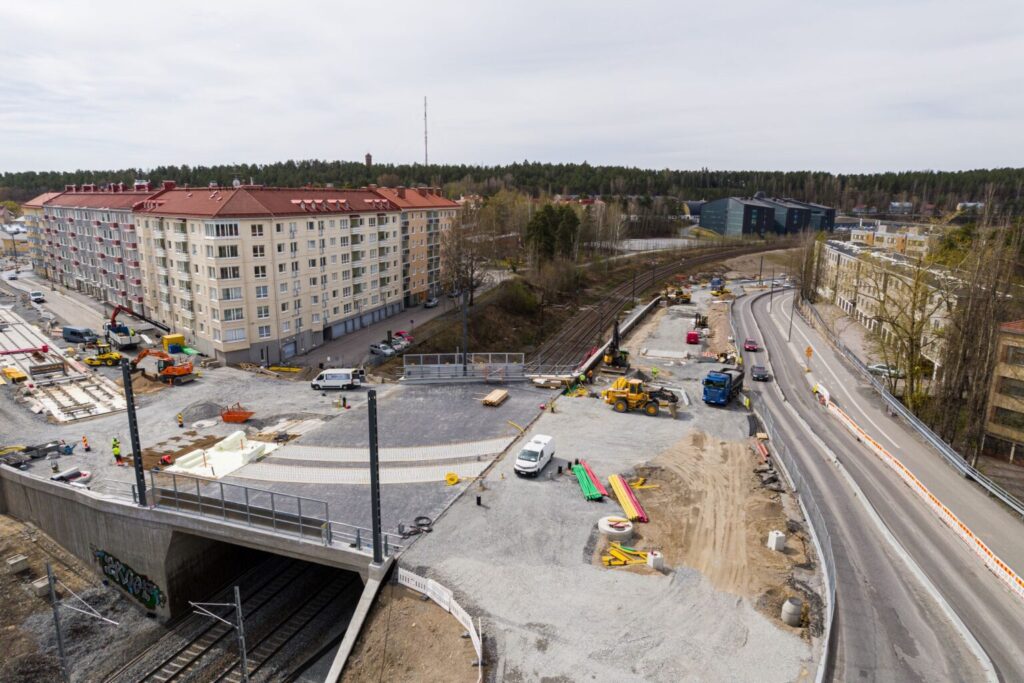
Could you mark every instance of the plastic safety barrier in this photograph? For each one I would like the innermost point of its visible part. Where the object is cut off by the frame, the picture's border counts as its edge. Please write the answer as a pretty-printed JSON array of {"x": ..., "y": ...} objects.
[{"x": 1002, "y": 571}]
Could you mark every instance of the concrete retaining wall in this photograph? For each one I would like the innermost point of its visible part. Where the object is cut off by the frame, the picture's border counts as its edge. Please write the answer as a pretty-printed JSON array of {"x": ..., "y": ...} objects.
[{"x": 161, "y": 558}]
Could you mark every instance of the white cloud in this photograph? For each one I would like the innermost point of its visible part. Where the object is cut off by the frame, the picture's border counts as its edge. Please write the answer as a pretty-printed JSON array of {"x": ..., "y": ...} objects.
[{"x": 784, "y": 85}]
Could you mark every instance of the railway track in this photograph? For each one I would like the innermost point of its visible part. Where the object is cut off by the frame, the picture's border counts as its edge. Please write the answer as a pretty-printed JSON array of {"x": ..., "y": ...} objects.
[
  {"x": 587, "y": 329},
  {"x": 277, "y": 638}
]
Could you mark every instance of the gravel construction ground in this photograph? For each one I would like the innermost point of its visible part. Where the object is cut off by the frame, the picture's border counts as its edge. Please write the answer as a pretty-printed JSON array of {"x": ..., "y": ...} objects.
[
  {"x": 27, "y": 636},
  {"x": 406, "y": 639},
  {"x": 749, "y": 266}
]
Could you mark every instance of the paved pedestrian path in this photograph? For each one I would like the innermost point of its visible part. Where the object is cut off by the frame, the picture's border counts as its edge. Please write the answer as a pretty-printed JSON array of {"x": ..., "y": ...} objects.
[{"x": 404, "y": 454}]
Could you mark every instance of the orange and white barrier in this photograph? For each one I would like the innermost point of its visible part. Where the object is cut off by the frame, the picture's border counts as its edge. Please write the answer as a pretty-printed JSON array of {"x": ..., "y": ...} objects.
[{"x": 1003, "y": 571}]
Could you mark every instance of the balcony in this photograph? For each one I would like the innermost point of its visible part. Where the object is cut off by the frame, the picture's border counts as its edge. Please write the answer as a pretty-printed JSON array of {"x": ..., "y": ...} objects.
[
  {"x": 184, "y": 276},
  {"x": 158, "y": 233},
  {"x": 185, "y": 295},
  {"x": 187, "y": 314},
  {"x": 160, "y": 251}
]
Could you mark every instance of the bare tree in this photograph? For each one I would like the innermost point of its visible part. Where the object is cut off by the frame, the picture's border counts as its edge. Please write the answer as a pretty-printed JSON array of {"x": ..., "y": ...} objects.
[{"x": 465, "y": 250}]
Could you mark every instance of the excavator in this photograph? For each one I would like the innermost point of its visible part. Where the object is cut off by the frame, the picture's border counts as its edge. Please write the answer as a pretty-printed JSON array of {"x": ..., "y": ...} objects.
[
  {"x": 615, "y": 358},
  {"x": 168, "y": 370},
  {"x": 122, "y": 336}
]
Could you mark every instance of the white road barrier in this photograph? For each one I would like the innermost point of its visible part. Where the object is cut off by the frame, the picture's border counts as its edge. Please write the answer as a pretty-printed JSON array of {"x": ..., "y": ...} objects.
[{"x": 1002, "y": 571}]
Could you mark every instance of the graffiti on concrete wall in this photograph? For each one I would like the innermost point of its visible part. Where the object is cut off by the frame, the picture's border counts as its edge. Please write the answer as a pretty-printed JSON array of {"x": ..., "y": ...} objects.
[{"x": 139, "y": 586}]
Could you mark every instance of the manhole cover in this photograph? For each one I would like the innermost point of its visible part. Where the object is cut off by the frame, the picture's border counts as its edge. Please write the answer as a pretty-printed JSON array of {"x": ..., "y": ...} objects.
[{"x": 202, "y": 424}]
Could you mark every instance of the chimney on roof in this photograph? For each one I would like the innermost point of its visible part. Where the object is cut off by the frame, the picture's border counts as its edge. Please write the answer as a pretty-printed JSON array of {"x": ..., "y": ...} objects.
[
  {"x": 401, "y": 191},
  {"x": 120, "y": 187},
  {"x": 169, "y": 184},
  {"x": 422, "y": 191},
  {"x": 213, "y": 185},
  {"x": 372, "y": 186},
  {"x": 70, "y": 188},
  {"x": 143, "y": 185}
]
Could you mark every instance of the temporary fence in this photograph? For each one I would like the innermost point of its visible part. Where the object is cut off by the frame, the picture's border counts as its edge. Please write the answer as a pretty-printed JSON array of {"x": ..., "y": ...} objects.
[
  {"x": 991, "y": 560},
  {"x": 951, "y": 456},
  {"x": 815, "y": 523},
  {"x": 472, "y": 367},
  {"x": 444, "y": 597}
]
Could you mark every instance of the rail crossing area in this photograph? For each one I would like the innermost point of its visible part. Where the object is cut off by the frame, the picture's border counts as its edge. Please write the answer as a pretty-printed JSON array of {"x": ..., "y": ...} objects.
[{"x": 279, "y": 504}]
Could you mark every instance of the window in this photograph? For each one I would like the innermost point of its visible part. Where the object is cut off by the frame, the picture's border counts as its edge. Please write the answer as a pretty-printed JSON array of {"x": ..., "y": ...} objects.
[
  {"x": 283, "y": 288},
  {"x": 343, "y": 241},
  {"x": 258, "y": 251},
  {"x": 284, "y": 306},
  {"x": 231, "y": 293},
  {"x": 1008, "y": 418},
  {"x": 312, "y": 263},
  {"x": 316, "y": 317},
  {"x": 262, "y": 312},
  {"x": 280, "y": 247},
  {"x": 346, "y": 292},
  {"x": 1011, "y": 387},
  {"x": 262, "y": 292},
  {"x": 286, "y": 327},
  {"x": 264, "y": 331},
  {"x": 282, "y": 267},
  {"x": 259, "y": 272},
  {"x": 257, "y": 230},
  {"x": 311, "y": 244},
  {"x": 232, "y": 314},
  {"x": 279, "y": 227},
  {"x": 227, "y": 251},
  {"x": 215, "y": 313},
  {"x": 230, "y": 273},
  {"x": 216, "y": 334},
  {"x": 310, "y": 225},
  {"x": 209, "y": 251},
  {"x": 1014, "y": 355},
  {"x": 348, "y": 308},
  {"x": 234, "y": 335},
  {"x": 221, "y": 229},
  {"x": 211, "y": 272},
  {"x": 316, "y": 299}
]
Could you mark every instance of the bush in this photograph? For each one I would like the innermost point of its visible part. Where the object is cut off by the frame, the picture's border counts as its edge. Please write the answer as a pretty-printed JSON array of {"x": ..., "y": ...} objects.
[{"x": 515, "y": 298}]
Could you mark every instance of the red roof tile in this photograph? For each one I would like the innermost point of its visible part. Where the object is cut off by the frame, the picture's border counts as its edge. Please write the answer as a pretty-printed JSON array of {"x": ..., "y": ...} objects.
[
  {"x": 37, "y": 202},
  {"x": 416, "y": 198},
  {"x": 262, "y": 201},
  {"x": 99, "y": 200}
]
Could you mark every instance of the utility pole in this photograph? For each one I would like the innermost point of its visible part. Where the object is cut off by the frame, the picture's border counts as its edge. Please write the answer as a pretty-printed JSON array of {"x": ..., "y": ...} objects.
[
  {"x": 771, "y": 290},
  {"x": 465, "y": 330},
  {"x": 56, "y": 622},
  {"x": 201, "y": 608},
  {"x": 760, "y": 270},
  {"x": 371, "y": 405},
  {"x": 133, "y": 431}
]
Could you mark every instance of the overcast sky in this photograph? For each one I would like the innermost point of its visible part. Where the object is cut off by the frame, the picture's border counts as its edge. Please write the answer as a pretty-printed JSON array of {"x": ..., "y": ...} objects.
[{"x": 861, "y": 85}]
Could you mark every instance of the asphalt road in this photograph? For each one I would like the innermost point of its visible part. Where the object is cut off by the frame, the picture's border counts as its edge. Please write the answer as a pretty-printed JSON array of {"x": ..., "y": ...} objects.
[{"x": 889, "y": 626}]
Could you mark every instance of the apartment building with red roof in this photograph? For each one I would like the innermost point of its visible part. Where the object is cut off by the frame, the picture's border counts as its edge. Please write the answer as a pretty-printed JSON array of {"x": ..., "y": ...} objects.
[
  {"x": 426, "y": 216},
  {"x": 259, "y": 274},
  {"x": 84, "y": 238}
]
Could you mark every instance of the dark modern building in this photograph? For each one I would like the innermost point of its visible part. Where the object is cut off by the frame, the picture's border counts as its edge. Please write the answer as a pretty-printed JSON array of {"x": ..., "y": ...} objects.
[
  {"x": 790, "y": 217},
  {"x": 738, "y": 216},
  {"x": 822, "y": 217}
]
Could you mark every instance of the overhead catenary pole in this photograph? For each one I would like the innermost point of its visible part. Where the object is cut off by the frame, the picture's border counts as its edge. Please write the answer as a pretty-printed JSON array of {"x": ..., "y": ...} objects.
[
  {"x": 426, "y": 158},
  {"x": 56, "y": 623},
  {"x": 371, "y": 404},
  {"x": 240, "y": 629},
  {"x": 465, "y": 330},
  {"x": 792, "y": 312},
  {"x": 760, "y": 270},
  {"x": 771, "y": 290},
  {"x": 133, "y": 431}
]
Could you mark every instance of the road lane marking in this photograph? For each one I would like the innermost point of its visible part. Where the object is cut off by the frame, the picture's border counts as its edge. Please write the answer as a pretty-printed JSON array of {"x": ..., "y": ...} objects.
[{"x": 841, "y": 385}]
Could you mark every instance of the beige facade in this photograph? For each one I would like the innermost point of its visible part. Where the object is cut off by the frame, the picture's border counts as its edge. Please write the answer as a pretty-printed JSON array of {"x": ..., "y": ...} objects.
[
  {"x": 426, "y": 216},
  {"x": 866, "y": 282},
  {"x": 262, "y": 274},
  {"x": 914, "y": 241},
  {"x": 1005, "y": 419}
]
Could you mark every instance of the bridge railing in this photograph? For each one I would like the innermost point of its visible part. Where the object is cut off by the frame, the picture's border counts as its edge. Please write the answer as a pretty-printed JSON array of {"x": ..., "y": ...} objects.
[{"x": 305, "y": 519}]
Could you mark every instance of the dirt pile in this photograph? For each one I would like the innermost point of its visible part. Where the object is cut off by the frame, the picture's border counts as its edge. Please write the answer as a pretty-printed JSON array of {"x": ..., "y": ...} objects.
[
  {"x": 719, "y": 328},
  {"x": 406, "y": 638},
  {"x": 709, "y": 512}
]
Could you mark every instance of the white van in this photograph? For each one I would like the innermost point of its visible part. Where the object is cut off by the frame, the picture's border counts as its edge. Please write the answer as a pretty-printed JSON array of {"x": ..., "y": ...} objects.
[
  {"x": 337, "y": 378},
  {"x": 535, "y": 455}
]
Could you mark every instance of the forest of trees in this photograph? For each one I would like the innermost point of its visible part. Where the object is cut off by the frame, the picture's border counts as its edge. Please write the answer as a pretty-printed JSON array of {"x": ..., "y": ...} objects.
[{"x": 944, "y": 189}]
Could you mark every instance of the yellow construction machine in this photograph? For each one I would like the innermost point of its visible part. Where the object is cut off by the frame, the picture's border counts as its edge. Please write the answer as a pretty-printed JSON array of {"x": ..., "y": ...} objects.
[
  {"x": 104, "y": 355},
  {"x": 631, "y": 393}
]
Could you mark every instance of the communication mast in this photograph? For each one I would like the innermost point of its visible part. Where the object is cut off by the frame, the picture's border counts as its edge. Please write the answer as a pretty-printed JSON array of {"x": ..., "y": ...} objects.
[{"x": 426, "y": 161}]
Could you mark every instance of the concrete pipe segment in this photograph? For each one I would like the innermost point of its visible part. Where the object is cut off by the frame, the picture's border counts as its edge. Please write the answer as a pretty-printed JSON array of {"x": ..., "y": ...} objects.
[
  {"x": 615, "y": 528},
  {"x": 792, "y": 611}
]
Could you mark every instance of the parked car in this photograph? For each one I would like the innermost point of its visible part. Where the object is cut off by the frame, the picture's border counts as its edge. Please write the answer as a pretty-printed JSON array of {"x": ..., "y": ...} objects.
[
  {"x": 759, "y": 373},
  {"x": 381, "y": 349},
  {"x": 12, "y": 275},
  {"x": 404, "y": 335},
  {"x": 337, "y": 378},
  {"x": 750, "y": 345},
  {"x": 535, "y": 455},
  {"x": 398, "y": 344},
  {"x": 883, "y": 370},
  {"x": 430, "y": 303},
  {"x": 37, "y": 297},
  {"x": 79, "y": 335}
]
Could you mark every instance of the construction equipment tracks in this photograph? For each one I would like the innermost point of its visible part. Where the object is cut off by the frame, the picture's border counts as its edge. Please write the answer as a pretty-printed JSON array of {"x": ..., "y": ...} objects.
[{"x": 587, "y": 329}]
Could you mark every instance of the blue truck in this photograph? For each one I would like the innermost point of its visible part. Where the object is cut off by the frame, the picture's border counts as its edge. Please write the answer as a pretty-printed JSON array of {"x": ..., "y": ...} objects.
[
  {"x": 721, "y": 386},
  {"x": 716, "y": 283}
]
